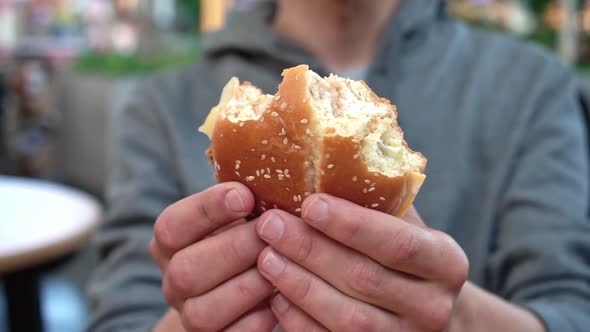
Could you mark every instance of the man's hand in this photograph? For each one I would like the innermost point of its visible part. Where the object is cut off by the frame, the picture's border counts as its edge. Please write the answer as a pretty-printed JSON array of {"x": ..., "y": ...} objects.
[
  {"x": 207, "y": 253},
  {"x": 347, "y": 268}
]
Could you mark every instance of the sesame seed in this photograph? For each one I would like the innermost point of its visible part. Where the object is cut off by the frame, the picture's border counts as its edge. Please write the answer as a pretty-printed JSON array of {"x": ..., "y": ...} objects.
[
  {"x": 376, "y": 174},
  {"x": 308, "y": 132},
  {"x": 295, "y": 198},
  {"x": 330, "y": 166},
  {"x": 267, "y": 176},
  {"x": 288, "y": 189},
  {"x": 274, "y": 114},
  {"x": 261, "y": 119},
  {"x": 375, "y": 205},
  {"x": 237, "y": 167},
  {"x": 356, "y": 141},
  {"x": 257, "y": 173},
  {"x": 306, "y": 163},
  {"x": 263, "y": 203},
  {"x": 262, "y": 171},
  {"x": 356, "y": 156},
  {"x": 263, "y": 157},
  {"x": 365, "y": 191},
  {"x": 287, "y": 176},
  {"x": 252, "y": 150},
  {"x": 268, "y": 170},
  {"x": 286, "y": 171},
  {"x": 354, "y": 179},
  {"x": 264, "y": 142},
  {"x": 372, "y": 189},
  {"x": 273, "y": 159},
  {"x": 299, "y": 197},
  {"x": 279, "y": 171},
  {"x": 373, "y": 184},
  {"x": 234, "y": 130},
  {"x": 382, "y": 198},
  {"x": 304, "y": 121},
  {"x": 283, "y": 106},
  {"x": 277, "y": 98},
  {"x": 263, "y": 209},
  {"x": 322, "y": 172},
  {"x": 286, "y": 141},
  {"x": 281, "y": 177},
  {"x": 250, "y": 178},
  {"x": 328, "y": 156},
  {"x": 221, "y": 135},
  {"x": 238, "y": 161},
  {"x": 304, "y": 100},
  {"x": 238, "y": 173},
  {"x": 298, "y": 210},
  {"x": 307, "y": 193},
  {"x": 241, "y": 124},
  {"x": 367, "y": 181},
  {"x": 297, "y": 147},
  {"x": 283, "y": 132}
]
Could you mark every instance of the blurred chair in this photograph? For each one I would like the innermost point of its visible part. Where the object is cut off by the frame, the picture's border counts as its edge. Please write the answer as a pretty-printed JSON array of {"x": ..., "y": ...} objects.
[{"x": 87, "y": 104}]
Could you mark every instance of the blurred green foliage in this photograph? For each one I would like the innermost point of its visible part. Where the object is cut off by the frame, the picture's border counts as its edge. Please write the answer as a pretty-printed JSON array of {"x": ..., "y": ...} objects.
[{"x": 113, "y": 64}]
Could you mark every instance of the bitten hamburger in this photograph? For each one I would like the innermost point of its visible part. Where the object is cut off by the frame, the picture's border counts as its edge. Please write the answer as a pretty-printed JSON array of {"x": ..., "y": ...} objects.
[{"x": 331, "y": 135}]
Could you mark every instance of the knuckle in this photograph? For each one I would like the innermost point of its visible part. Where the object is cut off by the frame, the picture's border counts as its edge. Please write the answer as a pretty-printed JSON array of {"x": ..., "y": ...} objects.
[
  {"x": 302, "y": 289},
  {"x": 365, "y": 278},
  {"x": 179, "y": 275},
  {"x": 403, "y": 247},
  {"x": 169, "y": 294},
  {"x": 458, "y": 267},
  {"x": 231, "y": 252},
  {"x": 208, "y": 216},
  {"x": 359, "y": 320},
  {"x": 440, "y": 316},
  {"x": 194, "y": 317},
  {"x": 162, "y": 232},
  {"x": 352, "y": 230},
  {"x": 304, "y": 249},
  {"x": 248, "y": 290},
  {"x": 154, "y": 251}
]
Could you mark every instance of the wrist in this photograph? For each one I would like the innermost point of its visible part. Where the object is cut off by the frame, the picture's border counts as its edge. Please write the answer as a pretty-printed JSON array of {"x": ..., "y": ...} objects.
[{"x": 478, "y": 310}]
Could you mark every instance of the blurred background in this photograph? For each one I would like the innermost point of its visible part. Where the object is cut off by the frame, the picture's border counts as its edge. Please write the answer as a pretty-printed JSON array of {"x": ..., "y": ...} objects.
[{"x": 66, "y": 66}]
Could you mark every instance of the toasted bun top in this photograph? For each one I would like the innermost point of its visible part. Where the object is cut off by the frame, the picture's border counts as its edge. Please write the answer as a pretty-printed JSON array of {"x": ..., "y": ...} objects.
[{"x": 316, "y": 134}]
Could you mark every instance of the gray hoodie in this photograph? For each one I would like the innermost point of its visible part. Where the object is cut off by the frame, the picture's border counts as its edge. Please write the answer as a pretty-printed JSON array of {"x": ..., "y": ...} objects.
[{"x": 497, "y": 119}]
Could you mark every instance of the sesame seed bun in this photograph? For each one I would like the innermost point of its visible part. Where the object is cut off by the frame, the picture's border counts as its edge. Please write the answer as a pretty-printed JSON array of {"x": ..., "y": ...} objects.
[{"x": 329, "y": 135}]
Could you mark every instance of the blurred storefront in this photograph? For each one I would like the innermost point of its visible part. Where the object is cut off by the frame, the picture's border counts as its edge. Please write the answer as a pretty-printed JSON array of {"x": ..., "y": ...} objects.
[{"x": 63, "y": 64}]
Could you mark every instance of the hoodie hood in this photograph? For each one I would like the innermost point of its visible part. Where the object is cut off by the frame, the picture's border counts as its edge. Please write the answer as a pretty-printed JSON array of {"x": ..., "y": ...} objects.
[{"x": 248, "y": 31}]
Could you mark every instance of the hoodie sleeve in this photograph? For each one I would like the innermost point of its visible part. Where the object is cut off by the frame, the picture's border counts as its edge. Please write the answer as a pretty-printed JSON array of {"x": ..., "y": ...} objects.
[
  {"x": 125, "y": 289},
  {"x": 541, "y": 256}
]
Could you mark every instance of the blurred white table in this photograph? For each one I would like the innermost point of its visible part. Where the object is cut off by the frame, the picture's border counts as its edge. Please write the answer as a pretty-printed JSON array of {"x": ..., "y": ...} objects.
[{"x": 40, "y": 223}]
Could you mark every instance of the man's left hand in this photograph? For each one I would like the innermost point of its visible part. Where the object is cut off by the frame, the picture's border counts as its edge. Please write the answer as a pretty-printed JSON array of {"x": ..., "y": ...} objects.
[{"x": 348, "y": 268}]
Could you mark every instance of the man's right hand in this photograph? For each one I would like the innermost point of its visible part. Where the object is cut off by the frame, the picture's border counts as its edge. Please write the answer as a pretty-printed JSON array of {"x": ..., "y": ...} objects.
[{"x": 207, "y": 253}]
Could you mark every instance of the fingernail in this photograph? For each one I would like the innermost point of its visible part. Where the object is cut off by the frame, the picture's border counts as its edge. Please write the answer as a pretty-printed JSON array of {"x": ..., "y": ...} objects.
[
  {"x": 272, "y": 228},
  {"x": 280, "y": 304},
  {"x": 273, "y": 264},
  {"x": 317, "y": 211},
  {"x": 233, "y": 201}
]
